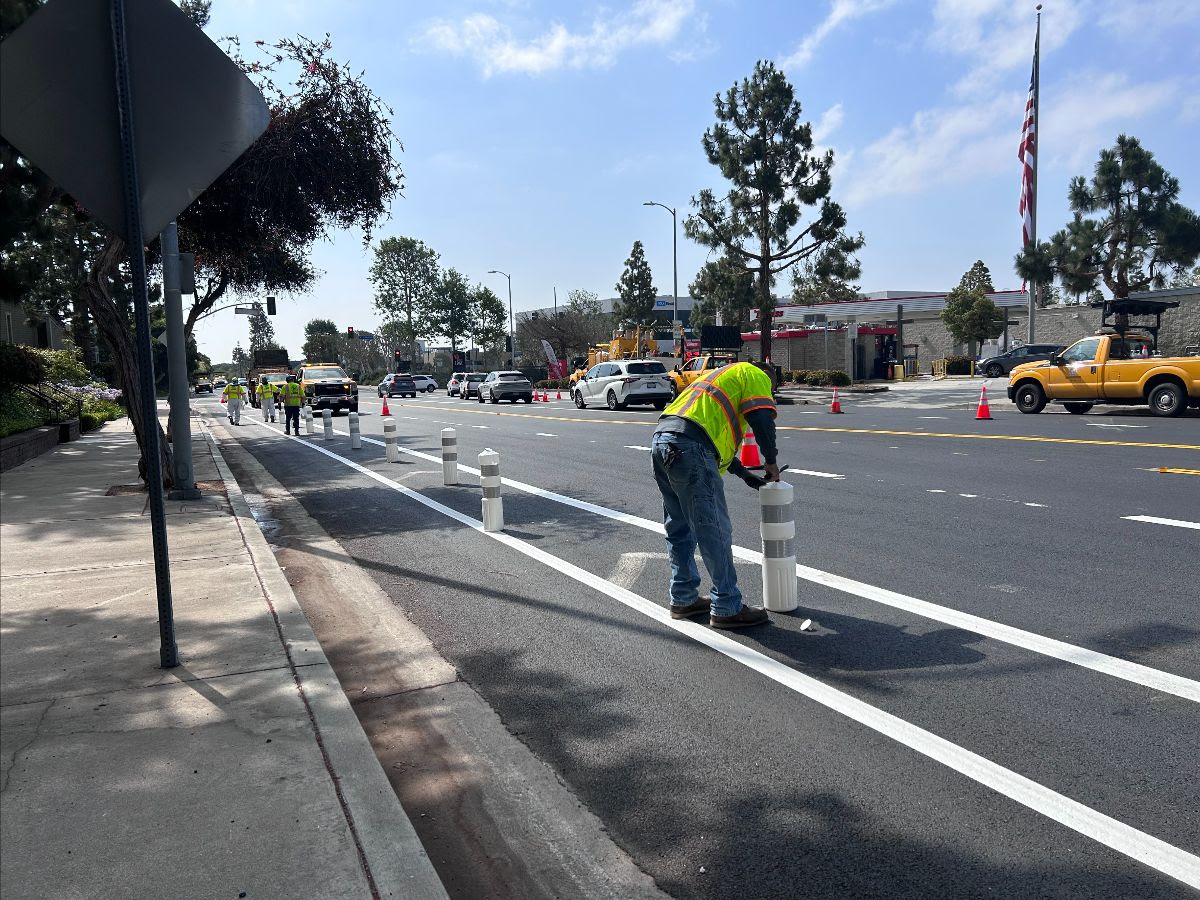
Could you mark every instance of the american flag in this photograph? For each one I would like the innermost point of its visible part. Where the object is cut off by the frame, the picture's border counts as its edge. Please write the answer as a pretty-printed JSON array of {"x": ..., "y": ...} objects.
[{"x": 1027, "y": 153}]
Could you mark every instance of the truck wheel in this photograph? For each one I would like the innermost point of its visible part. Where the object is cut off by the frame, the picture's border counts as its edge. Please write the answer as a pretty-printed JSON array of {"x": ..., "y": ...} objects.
[
  {"x": 660, "y": 405},
  {"x": 1030, "y": 398},
  {"x": 1166, "y": 399},
  {"x": 1078, "y": 409}
]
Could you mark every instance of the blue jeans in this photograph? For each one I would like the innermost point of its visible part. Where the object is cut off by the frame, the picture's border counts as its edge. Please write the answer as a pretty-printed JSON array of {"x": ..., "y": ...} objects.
[{"x": 694, "y": 513}]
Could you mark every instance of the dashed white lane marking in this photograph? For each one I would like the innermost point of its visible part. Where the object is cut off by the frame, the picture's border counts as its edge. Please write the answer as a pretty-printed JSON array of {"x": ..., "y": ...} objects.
[
  {"x": 635, "y": 447},
  {"x": 814, "y": 474},
  {"x": 1107, "y": 425},
  {"x": 1155, "y": 520},
  {"x": 544, "y": 434},
  {"x": 1037, "y": 505},
  {"x": 969, "y": 496},
  {"x": 935, "y": 491},
  {"x": 1084, "y": 820},
  {"x": 1135, "y": 673},
  {"x": 480, "y": 426},
  {"x": 933, "y": 417}
]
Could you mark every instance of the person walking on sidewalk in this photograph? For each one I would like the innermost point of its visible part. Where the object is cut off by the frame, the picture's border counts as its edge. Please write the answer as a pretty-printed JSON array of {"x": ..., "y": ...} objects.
[
  {"x": 266, "y": 399},
  {"x": 234, "y": 394},
  {"x": 696, "y": 443},
  {"x": 293, "y": 398}
]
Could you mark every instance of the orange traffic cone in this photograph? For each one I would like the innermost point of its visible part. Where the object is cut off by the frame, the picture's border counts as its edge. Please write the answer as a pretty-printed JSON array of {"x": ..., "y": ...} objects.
[
  {"x": 545, "y": 396},
  {"x": 558, "y": 394},
  {"x": 983, "y": 412},
  {"x": 749, "y": 456},
  {"x": 386, "y": 411},
  {"x": 836, "y": 405}
]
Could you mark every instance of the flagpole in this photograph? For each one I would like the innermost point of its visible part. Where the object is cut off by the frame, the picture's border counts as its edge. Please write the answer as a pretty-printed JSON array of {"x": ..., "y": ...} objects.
[{"x": 1035, "y": 293}]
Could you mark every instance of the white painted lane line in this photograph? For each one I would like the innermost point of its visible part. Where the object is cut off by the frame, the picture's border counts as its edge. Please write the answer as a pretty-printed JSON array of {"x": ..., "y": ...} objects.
[
  {"x": 634, "y": 447},
  {"x": 969, "y": 496},
  {"x": 1132, "y": 672},
  {"x": 544, "y": 434},
  {"x": 933, "y": 417},
  {"x": 1036, "y": 505},
  {"x": 813, "y": 474},
  {"x": 1084, "y": 820},
  {"x": 1106, "y": 425},
  {"x": 1155, "y": 520},
  {"x": 935, "y": 491}
]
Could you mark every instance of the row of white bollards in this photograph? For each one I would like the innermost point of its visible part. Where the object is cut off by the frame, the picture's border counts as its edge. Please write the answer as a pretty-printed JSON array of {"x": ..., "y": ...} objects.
[
  {"x": 326, "y": 425},
  {"x": 778, "y": 525}
]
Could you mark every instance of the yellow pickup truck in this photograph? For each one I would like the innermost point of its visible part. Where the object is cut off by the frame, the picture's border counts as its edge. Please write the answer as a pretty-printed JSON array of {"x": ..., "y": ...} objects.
[
  {"x": 1108, "y": 368},
  {"x": 697, "y": 367}
]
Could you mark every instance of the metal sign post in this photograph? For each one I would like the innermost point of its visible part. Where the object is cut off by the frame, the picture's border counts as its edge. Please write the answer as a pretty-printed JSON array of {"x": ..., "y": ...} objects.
[{"x": 168, "y": 652}]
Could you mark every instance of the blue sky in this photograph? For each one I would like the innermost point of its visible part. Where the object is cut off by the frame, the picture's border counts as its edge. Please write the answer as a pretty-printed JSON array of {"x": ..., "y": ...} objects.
[{"x": 533, "y": 131}]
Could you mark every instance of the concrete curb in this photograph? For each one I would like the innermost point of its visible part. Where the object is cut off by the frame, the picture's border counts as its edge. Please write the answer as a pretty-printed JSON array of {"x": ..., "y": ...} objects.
[{"x": 393, "y": 857}]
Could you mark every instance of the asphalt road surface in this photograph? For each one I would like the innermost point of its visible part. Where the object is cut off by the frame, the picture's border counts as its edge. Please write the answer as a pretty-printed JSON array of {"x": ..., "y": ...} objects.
[{"x": 999, "y": 696}]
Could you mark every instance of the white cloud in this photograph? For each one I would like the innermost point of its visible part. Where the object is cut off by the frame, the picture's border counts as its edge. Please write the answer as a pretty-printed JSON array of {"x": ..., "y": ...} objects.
[
  {"x": 1148, "y": 18},
  {"x": 494, "y": 47},
  {"x": 830, "y": 121},
  {"x": 840, "y": 12},
  {"x": 961, "y": 143},
  {"x": 996, "y": 37}
]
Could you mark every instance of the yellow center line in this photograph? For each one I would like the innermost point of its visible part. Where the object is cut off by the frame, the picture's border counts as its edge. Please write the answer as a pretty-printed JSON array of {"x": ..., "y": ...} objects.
[
  {"x": 993, "y": 437},
  {"x": 1180, "y": 471},
  {"x": 880, "y": 431}
]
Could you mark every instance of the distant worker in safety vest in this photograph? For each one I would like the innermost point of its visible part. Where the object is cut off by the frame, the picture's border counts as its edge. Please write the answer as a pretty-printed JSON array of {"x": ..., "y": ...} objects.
[
  {"x": 234, "y": 394},
  {"x": 292, "y": 396},
  {"x": 695, "y": 444},
  {"x": 266, "y": 398}
]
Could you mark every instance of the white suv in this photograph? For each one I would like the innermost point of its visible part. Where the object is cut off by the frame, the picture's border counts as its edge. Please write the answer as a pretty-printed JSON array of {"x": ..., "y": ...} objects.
[{"x": 617, "y": 384}]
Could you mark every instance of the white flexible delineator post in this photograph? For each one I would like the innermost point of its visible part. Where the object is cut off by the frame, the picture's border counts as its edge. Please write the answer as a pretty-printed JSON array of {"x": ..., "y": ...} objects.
[
  {"x": 489, "y": 480},
  {"x": 449, "y": 456},
  {"x": 778, "y": 530},
  {"x": 327, "y": 424},
  {"x": 355, "y": 433},
  {"x": 308, "y": 420},
  {"x": 389, "y": 439}
]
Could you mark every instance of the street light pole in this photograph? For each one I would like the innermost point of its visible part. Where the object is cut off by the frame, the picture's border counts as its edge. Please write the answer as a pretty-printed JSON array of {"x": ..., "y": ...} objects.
[
  {"x": 674, "y": 262},
  {"x": 512, "y": 337}
]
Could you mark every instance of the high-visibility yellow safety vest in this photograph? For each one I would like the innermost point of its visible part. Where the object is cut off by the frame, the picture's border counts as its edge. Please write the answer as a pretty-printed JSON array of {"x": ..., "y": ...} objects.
[
  {"x": 718, "y": 403},
  {"x": 267, "y": 388},
  {"x": 293, "y": 394},
  {"x": 234, "y": 392}
]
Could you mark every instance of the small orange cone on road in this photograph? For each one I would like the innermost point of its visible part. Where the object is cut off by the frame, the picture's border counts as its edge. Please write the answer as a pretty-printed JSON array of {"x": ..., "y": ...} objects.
[
  {"x": 749, "y": 456},
  {"x": 984, "y": 412},
  {"x": 385, "y": 411},
  {"x": 558, "y": 394},
  {"x": 836, "y": 405},
  {"x": 545, "y": 396}
]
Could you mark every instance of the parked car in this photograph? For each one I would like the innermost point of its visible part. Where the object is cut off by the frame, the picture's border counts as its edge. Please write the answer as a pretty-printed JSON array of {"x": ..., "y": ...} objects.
[
  {"x": 1004, "y": 363},
  {"x": 401, "y": 384},
  {"x": 425, "y": 383},
  {"x": 620, "y": 383},
  {"x": 469, "y": 386},
  {"x": 455, "y": 384},
  {"x": 505, "y": 385},
  {"x": 204, "y": 386}
]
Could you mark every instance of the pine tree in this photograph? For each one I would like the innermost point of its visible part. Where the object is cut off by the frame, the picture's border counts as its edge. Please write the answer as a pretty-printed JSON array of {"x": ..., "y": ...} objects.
[
  {"x": 969, "y": 315},
  {"x": 764, "y": 149},
  {"x": 723, "y": 288},
  {"x": 1129, "y": 231},
  {"x": 635, "y": 291}
]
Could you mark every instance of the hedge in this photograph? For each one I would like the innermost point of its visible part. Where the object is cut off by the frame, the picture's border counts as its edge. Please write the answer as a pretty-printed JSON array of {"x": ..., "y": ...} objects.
[
  {"x": 818, "y": 377},
  {"x": 19, "y": 413},
  {"x": 20, "y": 365},
  {"x": 958, "y": 365}
]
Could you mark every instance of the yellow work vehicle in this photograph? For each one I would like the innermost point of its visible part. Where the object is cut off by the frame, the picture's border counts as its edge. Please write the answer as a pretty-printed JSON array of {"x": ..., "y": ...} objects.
[
  {"x": 327, "y": 386},
  {"x": 631, "y": 343},
  {"x": 1122, "y": 369},
  {"x": 697, "y": 367}
]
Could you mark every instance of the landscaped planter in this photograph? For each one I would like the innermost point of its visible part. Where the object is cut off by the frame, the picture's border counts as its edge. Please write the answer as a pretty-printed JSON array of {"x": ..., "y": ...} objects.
[{"x": 25, "y": 445}]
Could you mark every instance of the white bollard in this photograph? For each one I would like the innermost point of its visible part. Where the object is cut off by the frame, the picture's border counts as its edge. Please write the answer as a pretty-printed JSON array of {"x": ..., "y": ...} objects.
[
  {"x": 327, "y": 424},
  {"x": 389, "y": 439},
  {"x": 355, "y": 434},
  {"x": 449, "y": 456},
  {"x": 308, "y": 420},
  {"x": 779, "y": 547},
  {"x": 489, "y": 479}
]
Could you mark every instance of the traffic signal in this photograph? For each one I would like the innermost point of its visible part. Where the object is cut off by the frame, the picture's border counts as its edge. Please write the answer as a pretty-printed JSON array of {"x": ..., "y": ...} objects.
[
  {"x": 396, "y": 356},
  {"x": 270, "y": 306},
  {"x": 350, "y": 331}
]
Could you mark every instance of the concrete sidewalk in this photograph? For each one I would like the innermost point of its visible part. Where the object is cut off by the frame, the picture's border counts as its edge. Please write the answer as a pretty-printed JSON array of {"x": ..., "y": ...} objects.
[{"x": 242, "y": 773}]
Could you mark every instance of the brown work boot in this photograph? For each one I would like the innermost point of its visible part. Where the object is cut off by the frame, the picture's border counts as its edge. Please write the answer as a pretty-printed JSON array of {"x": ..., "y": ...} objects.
[
  {"x": 743, "y": 618},
  {"x": 692, "y": 609}
]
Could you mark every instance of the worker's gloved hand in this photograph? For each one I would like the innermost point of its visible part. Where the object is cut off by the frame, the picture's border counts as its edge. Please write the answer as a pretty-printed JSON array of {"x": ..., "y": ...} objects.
[
  {"x": 772, "y": 471},
  {"x": 751, "y": 479}
]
